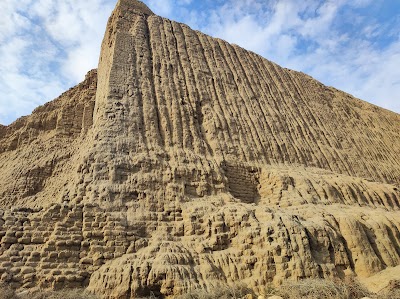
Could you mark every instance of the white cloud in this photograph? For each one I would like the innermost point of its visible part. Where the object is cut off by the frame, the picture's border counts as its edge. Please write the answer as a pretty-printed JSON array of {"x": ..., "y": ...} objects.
[
  {"x": 380, "y": 77},
  {"x": 46, "y": 46},
  {"x": 78, "y": 27}
]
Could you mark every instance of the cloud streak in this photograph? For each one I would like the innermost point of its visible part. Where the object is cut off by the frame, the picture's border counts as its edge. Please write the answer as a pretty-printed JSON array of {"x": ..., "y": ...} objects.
[{"x": 46, "y": 46}]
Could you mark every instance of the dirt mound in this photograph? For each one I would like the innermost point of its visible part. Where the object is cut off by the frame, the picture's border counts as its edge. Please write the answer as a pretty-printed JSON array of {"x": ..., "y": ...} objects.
[{"x": 185, "y": 162}]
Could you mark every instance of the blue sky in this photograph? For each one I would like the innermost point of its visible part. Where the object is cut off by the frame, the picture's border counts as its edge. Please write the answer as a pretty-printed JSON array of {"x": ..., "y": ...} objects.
[{"x": 47, "y": 46}]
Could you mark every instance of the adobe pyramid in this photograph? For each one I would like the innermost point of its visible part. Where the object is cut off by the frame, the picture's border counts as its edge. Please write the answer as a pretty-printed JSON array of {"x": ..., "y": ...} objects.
[{"x": 185, "y": 162}]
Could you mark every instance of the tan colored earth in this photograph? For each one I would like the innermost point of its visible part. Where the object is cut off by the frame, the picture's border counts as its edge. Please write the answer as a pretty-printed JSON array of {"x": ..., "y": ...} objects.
[{"x": 184, "y": 162}]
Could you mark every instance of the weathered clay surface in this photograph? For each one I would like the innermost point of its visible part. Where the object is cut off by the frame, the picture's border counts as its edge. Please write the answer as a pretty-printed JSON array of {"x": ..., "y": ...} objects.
[
  {"x": 195, "y": 162},
  {"x": 197, "y": 243}
]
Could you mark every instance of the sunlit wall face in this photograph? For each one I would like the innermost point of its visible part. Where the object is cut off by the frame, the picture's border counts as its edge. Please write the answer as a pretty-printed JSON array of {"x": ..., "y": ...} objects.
[{"x": 48, "y": 46}]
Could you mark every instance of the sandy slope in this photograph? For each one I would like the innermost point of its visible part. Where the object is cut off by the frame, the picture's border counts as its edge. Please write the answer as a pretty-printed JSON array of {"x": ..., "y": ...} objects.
[{"x": 184, "y": 162}]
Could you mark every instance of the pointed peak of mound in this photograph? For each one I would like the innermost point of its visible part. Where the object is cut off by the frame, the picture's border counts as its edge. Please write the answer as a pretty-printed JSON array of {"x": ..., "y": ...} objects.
[{"x": 138, "y": 6}]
